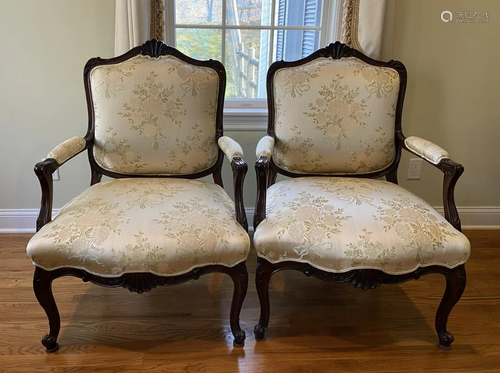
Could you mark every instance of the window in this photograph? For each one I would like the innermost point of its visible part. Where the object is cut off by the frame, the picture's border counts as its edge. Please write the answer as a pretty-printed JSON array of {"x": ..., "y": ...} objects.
[{"x": 248, "y": 35}]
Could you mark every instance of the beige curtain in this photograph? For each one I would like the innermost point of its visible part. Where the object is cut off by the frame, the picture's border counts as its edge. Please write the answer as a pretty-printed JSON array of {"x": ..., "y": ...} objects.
[
  {"x": 137, "y": 21},
  {"x": 363, "y": 25}
]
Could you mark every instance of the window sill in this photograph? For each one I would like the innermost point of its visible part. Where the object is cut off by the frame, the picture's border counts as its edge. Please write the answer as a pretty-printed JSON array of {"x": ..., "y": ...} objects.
[{"x": 236, "y": 119}]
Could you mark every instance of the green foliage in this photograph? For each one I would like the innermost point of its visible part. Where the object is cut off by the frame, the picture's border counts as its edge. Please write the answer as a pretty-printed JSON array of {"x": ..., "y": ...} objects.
[{"x": 201, "y": 44}]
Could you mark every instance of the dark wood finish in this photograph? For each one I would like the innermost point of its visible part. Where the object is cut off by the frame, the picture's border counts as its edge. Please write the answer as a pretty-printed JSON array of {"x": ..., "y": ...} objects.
[
  {"x": 316, "y": 326},
  {"x": 266, "y": 171},
  {"x": 452, "y": 171},
  {"x": 262, "y": 174},
  {"x": 44, "y": 171},
  {"x": 240, "y": 279},
  {"x": 240, "y": 169},
  {"x": 392, "y": 177},
  {"x": 363, "y": 279},
  {"x": 95, "y": 177},
  {"x": 42, "y": 286},
  {"x": 141, "y": 282},
  {"x": 218, "y": 178},
  {"x": 272, "y": 177},
  {"x": 137, "y": 283}
]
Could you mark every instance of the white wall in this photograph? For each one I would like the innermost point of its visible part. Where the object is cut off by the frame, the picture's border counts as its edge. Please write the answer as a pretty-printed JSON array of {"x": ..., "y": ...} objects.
[
  {"x": 452, "y": 95},
  {"x": 45, "y": 45}
]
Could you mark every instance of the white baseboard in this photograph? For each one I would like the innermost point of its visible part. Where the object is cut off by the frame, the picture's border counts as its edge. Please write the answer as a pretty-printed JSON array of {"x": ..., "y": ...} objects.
[
  {"x": 472, "y": 217},
  {"x": 19, "y": 220},
  {"x": 477, "y": 217}
]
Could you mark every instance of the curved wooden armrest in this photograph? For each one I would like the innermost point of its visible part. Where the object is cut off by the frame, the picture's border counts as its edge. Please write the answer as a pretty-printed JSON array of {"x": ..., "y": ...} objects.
[
  {"x": 262, "y": 172},
  {"x": 452, "y": 172},
  {"x": 234, "y": 153},
  {"x": 44, "y": 170},
  {"x": 240, "y": 169}
]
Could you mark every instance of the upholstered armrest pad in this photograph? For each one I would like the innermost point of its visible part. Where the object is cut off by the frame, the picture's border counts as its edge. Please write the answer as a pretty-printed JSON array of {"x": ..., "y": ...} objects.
[
  {"x": 230, "y": 147},
  {"x": 67, "y": 149},
  {"x": 265, "y": 147},
  {"x": 426, "y": 149}
]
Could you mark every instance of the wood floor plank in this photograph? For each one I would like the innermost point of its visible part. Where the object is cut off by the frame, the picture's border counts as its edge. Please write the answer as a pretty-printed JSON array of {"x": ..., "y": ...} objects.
[{"x": 315, "y": 327}]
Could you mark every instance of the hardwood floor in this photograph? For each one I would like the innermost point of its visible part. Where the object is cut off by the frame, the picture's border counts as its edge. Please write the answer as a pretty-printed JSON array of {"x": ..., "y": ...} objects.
[{"x": 315, "y": 326}]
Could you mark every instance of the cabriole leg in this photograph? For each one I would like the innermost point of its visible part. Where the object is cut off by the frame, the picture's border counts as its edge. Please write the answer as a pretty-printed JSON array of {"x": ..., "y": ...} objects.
[
  {"x": 42, "y": 285},
  {"x": 262, "y": 279},
  {"x": 455, "y": 286},
  {"x": 239, "y": 275}
]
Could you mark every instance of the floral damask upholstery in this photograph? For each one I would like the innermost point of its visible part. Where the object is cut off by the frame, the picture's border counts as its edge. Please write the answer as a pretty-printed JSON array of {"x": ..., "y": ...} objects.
[
  {"x": 340, "y": 224},
  {"x": 144, "y": 117},
  {"x": 426, "y": 149},
  {"x": 335, "y": 116},
  {"x": 162, "y": 226},
  {"x": 155, "y": 125},
  {"x": 335, "y": 129},
  {"x": 67, "y": 149},
  {"x": 265, "y": 147},
  {"x": 230, "y": 148}
]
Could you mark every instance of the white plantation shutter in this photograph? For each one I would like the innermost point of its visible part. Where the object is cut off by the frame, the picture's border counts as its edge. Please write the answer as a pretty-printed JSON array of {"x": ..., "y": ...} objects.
[
  {"x": 311, "y": 16},
  {"x": 280, "y": 34}
]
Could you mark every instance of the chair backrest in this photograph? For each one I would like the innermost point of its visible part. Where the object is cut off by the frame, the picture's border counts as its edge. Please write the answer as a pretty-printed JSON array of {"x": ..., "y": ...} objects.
[
  {"x": 335, "y": 112},
  {"x": 155, "y": 111}
]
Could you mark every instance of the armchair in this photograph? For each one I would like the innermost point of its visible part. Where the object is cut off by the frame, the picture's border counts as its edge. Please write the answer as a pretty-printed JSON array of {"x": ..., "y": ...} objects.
[
  {"x": 334, "y": 128},
  {"x": 155, "y": 125}
]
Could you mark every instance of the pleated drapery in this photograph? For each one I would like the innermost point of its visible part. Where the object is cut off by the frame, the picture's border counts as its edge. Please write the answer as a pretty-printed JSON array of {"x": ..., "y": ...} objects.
[
  {"x": 363, "y": 25},
  {"x": 137, "y": 21}
]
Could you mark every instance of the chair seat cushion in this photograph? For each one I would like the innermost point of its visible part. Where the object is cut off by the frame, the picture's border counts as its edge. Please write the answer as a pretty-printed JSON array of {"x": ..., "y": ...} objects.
[
  {"x": 341, "y": 224},
  {"x": 163, "y": 226}
]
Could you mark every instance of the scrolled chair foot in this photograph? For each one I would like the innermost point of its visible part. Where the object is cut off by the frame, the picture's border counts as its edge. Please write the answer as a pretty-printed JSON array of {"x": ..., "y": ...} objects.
[
  {"x": 50, "y": 343},
  {"x": 260, "y": 333},
  {"x": 445, "y": 340},
  {"x": 239, "y": 338}
]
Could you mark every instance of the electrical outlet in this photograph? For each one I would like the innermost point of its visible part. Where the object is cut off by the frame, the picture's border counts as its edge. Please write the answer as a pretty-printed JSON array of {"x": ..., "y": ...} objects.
[{"x": 415, "y": 169}]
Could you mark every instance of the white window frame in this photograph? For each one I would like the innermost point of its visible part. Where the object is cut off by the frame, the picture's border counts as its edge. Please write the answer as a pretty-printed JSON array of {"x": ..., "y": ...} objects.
[{"x": 240, "y": 109}]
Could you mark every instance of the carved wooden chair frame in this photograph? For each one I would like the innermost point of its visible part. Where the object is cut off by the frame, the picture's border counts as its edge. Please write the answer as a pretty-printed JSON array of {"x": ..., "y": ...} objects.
[
  {"x": 364, "y": 279},
  {"x": 141, "y": 282}
]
